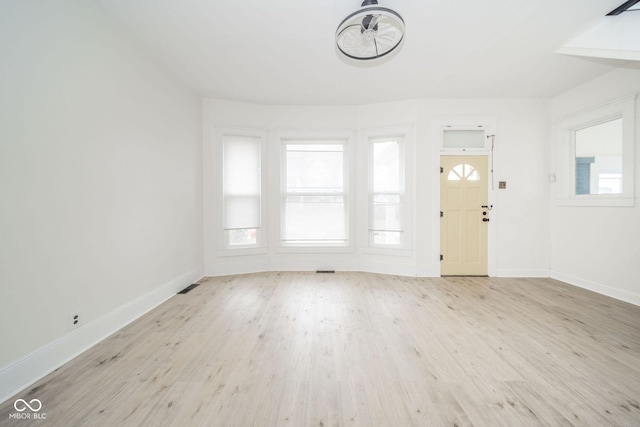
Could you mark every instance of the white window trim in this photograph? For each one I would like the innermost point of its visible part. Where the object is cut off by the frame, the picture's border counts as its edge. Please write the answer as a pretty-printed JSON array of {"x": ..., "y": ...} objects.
[
  {"x": 224, "y": 249},
  {"x": 564, "y": 137},
  {"x": 406, "y": 147},
  {"x": 283, "y": 137}
]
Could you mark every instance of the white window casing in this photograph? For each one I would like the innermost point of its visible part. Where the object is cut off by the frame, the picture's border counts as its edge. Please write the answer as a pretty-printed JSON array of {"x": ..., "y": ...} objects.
[
  {"x": 576, "y": 153},
  {"x": 388, "y": 188},
  {"x": 315, "y": 198}
]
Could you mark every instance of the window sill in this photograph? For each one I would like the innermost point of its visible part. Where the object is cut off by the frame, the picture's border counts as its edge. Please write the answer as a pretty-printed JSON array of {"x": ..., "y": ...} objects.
[
  {"x": 305, "y": 249},
  {"x": 601, "y": 200},
  {"x": 241, "y": 252},
  {"x": 399, "y": 252}
]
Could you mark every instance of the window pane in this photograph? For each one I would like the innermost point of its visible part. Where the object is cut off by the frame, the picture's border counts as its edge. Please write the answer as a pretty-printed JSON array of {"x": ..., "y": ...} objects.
[
  {"x": 386, "y": 198},
  {"x": 459, "y": 138},
  {"x": 243, "y": 236},
  {"x": 598, "y": 160},
  {"x": 241, "y": 165},
  {"x": 610, "y": 183},
  {"x": 314, "y": 207},
  {"x": 241, "y": 212},
  {"x": 315, "y": 167},
  {"x": 386, "y": 188},
  {"x": 315, "y": 218},
  {"x": 386, "y": 166},
  {"x": 390, "y": 238},
  {"x": 387, "y": 217},
  {"x": 241, "y": 182},
  {"x": 463, "y": 172}
]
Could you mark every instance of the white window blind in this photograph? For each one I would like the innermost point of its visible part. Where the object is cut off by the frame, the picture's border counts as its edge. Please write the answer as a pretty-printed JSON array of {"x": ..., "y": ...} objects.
[
  {"x": 314, "y": 197},
  {"x": 386, "y": 188},
  {"x": 241, "y": 182}
]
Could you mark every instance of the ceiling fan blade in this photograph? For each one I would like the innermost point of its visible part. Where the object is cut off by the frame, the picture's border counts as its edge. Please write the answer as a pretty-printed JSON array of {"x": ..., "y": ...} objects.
[
  {"x": 387, "y": 33},
  {"x": 369, "y": 22},
  {"x": 374, "y": 22},
  {"x": 347, "y": 29}
]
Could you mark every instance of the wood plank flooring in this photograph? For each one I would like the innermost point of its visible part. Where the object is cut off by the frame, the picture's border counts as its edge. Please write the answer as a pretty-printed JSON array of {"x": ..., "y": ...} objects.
[{"x": 358, "y": 349}]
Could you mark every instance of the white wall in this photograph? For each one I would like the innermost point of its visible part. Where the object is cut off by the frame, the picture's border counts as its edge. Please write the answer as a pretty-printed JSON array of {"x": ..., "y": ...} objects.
[
  {"x": 597, "y": 247},
  {"x": 520, "y": 216},
  {"x": 100, "y": 184}
]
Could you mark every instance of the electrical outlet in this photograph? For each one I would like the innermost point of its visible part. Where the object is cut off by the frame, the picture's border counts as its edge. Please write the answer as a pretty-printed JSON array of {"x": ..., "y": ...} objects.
[{"x": 74, "y": 320}]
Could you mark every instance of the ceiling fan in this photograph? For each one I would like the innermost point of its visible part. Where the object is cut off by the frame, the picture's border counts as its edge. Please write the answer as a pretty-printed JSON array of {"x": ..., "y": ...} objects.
[
  {"x": 370, "y": 32},
  {"x": 627, "y": 6}
]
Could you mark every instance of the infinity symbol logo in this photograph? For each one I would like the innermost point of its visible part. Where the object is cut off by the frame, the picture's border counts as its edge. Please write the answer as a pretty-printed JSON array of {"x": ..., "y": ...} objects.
[{"x": 21, "y": 405}]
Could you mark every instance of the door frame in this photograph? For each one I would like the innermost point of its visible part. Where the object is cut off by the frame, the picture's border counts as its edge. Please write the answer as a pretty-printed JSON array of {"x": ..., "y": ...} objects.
[
  {"x": 489, "y": 122},
  {"x": 491, "y": 237}
]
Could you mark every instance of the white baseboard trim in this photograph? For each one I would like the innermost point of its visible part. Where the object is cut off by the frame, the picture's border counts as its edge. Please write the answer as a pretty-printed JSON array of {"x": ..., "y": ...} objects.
[
  {"x": 231, "y": 268},
  {"x": 597, "y": 287},
  {"x": 428, "y": 270},
  {"x": 523, "y": 273},
  {"x": 388, "y": 268},
  {"x": 33, "y": 367}
]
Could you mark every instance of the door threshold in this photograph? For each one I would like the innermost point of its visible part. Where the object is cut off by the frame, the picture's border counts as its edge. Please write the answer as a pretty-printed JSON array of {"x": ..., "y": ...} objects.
[{"x": 464, "y": 275}]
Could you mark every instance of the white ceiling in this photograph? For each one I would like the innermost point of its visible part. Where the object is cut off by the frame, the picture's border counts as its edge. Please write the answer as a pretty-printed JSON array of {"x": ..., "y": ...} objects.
[{"x": 282, "y": 51}]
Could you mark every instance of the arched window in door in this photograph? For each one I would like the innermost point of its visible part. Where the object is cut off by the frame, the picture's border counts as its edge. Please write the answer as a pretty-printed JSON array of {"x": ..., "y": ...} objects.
[{"x": 463, "y": 172}]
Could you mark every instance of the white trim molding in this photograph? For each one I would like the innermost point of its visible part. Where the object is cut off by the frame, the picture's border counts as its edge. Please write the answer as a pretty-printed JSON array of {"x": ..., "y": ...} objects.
[
  {"x": 33, "y": 367},
  {"x": 599, "y": 288}
]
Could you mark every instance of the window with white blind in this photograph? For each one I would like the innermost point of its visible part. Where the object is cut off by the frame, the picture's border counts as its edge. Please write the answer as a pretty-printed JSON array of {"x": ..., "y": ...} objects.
[
  {"x": 387, "y": 201},
  {"x": 314, "y": 197},
  {"x": 241, "y": 190}
]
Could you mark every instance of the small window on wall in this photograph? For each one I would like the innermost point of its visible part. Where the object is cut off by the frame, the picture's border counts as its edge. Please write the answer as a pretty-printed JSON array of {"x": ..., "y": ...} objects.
[
  {"x": 241, "y": 190},
  {"x": 463, "y": 138},
  {"x": 595, "y": 156},
  {"x": 598, "y": 154}
]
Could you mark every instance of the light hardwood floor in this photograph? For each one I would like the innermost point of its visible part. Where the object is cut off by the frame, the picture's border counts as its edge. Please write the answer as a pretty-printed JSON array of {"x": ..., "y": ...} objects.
[{"x": 307, "y": 349}]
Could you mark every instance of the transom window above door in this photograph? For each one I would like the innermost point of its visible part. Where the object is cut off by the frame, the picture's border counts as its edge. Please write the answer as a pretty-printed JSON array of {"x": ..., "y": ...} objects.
[{"x": 463, "y": 138}]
